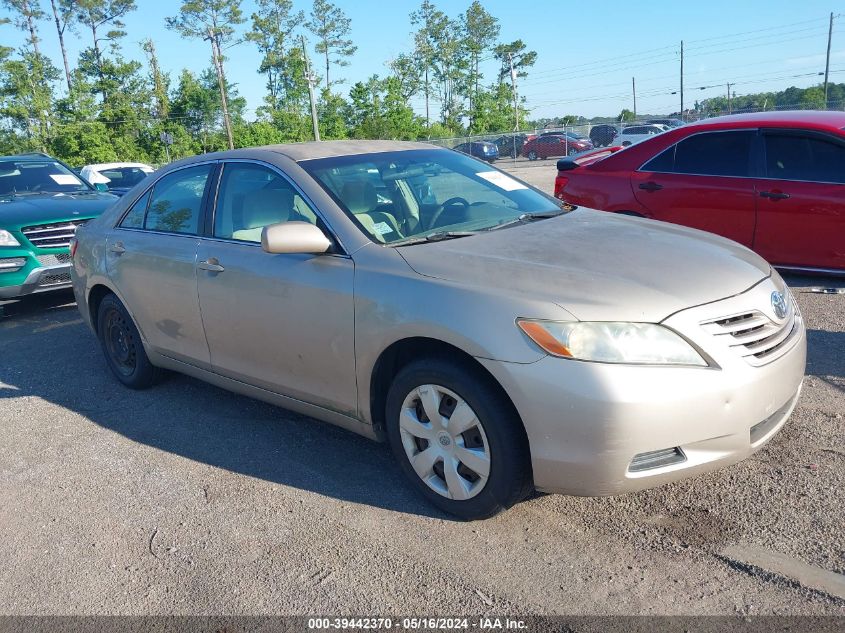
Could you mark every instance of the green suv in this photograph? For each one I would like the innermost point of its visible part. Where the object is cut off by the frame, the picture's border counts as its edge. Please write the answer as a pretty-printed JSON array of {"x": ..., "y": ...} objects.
[{"x": 42, "y": 201}]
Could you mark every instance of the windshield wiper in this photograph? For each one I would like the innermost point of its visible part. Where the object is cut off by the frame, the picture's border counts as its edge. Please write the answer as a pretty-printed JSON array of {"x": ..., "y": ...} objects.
[
  {"x": 439, "y": 236},
  {"x": 528, "y": 216}
]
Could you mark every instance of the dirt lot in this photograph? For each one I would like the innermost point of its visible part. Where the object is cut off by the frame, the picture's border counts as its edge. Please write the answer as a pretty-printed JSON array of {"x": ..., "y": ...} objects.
[{"x": 187, "y": 499}]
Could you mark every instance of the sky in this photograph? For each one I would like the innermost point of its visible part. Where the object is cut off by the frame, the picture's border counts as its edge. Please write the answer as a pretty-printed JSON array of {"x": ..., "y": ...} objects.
[{"x": 587, "y": 52}]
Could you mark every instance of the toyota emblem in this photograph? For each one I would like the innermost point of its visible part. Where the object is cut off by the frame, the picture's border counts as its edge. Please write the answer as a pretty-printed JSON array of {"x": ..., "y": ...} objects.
[{"x": 779, "y": 304}]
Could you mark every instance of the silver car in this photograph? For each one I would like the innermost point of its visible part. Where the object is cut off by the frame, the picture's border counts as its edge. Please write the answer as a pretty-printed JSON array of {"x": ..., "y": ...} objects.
[{"x": 499, "y": 342}]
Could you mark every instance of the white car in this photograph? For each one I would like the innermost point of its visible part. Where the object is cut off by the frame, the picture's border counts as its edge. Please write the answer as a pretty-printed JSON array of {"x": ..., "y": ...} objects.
[
  {"x": 636, "y": 133},
  {"x": 119, "y": 177}
]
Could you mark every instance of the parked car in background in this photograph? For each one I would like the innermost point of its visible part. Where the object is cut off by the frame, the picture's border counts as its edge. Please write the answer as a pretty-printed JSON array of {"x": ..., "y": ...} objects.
[
  {"x": 444, "y": 320},
  {"x": 555, "y": 145},
  {"x": 42, "y": 202},
  {"x": 670, "y": 123},
  {"x": 510, "y": 144},
  {"x": 636, "y": 133},
  {"x": 479, "y": 149},
  {"x": 118, "y": 177},
  {"x": 773, "y": 181},
  {"x": 603, "y": 135}
]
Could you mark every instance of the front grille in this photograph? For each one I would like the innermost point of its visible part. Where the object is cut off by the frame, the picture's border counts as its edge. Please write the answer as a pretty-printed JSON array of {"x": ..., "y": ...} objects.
[
  {"x": 754, "y": 335},
  {"x": 54, "y": 279},
  {"x": 57, "y": 235},
  {"x": 53, "y": 260}
]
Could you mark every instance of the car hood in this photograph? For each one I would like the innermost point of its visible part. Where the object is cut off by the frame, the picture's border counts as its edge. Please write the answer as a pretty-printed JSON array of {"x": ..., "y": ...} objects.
[
  {"x": 23, "y": 210},
  {"x": 597, "y": 266}
]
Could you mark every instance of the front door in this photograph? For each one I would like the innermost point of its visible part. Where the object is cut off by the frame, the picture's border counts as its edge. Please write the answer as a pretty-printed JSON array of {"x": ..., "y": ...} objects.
[
  {"x": 282, "y": 322},
  {"x": 703, "y": 182},
  {"x": 152, "y": 262},
  {"x": 801, "y": 200}
]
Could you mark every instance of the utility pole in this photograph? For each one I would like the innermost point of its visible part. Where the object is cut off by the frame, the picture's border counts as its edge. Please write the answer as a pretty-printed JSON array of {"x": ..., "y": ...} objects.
[
  {"x": 515, "y": 101},
  {"x": 218, "y": 66},
  {"x": 682, "y": 80},
  {"x": 827, "y": 61},
  {"x": 634, "y": 88},
  {"x": 311, "y": 79},
  {"x": 729, "y": 98}
]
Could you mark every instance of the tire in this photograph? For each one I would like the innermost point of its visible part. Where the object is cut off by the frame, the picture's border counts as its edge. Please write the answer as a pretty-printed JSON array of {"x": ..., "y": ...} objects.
[
  {"x": 122, "y": 346},
  {"x": 626, "y": 143},
  {"x": 572, "y": 151},
  {"x": 492, "y": 438},
  {"x": 532, "y": 155}
]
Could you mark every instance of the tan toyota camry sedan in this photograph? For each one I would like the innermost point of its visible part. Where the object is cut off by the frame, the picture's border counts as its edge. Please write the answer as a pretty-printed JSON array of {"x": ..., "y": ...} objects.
[{"x": 498, "y": 342}]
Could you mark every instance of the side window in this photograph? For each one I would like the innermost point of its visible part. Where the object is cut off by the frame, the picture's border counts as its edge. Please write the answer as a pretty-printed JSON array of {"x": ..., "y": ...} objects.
[
  {"x": 663, "y": 162},
  {"x": 251, "y": 197},
  {"x": 715, "y": 154},
  {"x": 796, "y": 157},
  {"x": 135, "y": 218},
  {"x": 176, "y": 203}
]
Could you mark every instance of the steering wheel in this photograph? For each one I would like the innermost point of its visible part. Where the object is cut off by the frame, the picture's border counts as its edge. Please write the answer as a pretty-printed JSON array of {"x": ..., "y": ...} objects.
[{"x": 448, "y": 203}]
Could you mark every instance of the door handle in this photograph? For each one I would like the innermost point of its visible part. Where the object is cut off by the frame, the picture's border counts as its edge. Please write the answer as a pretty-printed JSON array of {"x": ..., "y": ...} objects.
[
  {"x": 211, "y": 265},
  {"x": 117, "y": 248},
  {"x": 650, "y": 186},
  {"x": 774, "y": 195}
]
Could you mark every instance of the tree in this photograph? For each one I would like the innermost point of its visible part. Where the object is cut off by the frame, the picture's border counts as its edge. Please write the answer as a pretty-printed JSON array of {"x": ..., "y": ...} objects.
[
  {"x": 480, "y": 31},
  {"x": 160, "y": 81},
  {"x": 429, "y": 20},
  {"x": 214, "y": 20},
  {"x": 272, "y": 27},
  {"x": 27, "y": 13},
  {"x": 331, "y": 27},
  {"x": 408, "y": 73},
  {"x": 626, "y": 116},
  {"x": 64, "y": 16},
  {"x": 450, "y": 69},
  {"x": 522, "y": 59},
  {"x": 99, "y": 14}
]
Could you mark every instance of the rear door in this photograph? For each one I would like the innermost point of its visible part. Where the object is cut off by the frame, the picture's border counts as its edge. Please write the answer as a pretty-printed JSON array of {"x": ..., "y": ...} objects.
[
  {"x": 282, "y": 322},
  {"x": 152, "y": 260},
  {"x": 801, "y": 199},
  {"x": 704, "y": 182}
]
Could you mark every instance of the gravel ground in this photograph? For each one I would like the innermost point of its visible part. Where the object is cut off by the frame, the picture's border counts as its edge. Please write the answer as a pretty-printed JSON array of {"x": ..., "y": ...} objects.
[{"x": 186, "y": 499}]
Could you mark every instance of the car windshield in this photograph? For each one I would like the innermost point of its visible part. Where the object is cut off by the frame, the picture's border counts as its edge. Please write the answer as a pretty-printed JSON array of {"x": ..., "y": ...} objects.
[
  {"x": 37, "y": 176},
  {"x": 124, "y": 176},
  {"x": 398, "y": 197}
]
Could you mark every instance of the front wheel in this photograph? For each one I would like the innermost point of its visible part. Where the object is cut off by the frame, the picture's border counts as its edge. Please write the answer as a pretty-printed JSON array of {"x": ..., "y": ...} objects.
[
  {"x": 532, "y": 155},
  {"x": 458, "y": 439},
  {"x": 122, "y": 346},
  {"x": 572, "y": 151}
]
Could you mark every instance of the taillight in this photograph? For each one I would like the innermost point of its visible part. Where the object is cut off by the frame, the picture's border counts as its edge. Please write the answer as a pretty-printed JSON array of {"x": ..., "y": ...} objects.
[
  {"x": 560, "y": 183},
  {"x": 73, "y": 245}
]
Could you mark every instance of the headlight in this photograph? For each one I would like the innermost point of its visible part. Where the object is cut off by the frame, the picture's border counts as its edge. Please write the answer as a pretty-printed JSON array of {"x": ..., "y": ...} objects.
[
  {"x": 608, "y": 342},
  {"x": 7, "y": 239}
]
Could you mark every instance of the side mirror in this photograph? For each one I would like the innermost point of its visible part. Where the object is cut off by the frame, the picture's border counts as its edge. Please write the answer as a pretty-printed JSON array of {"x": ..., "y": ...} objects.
[
  {"x": 294, "y": 237},
  {"x": 101, "y": 186}
]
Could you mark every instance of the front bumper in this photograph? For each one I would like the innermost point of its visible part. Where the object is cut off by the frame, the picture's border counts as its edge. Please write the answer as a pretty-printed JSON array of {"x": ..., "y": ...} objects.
[
  {"x": 587, "y": 422},
  {"x": 41, "y": 279}
]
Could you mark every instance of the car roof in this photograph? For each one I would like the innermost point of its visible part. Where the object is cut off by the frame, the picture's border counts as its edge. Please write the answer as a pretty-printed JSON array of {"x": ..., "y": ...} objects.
[
  {"x": 783, "y": 118},
  {"x": 33, "y": 156},
  {"x": 309, "y": 150},
  {"x": 102, "y": 166}
]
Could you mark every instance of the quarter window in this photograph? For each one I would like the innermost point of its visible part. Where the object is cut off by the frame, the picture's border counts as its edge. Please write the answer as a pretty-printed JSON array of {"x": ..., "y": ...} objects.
[
  {"x": 798, "y": 157},
  {"x": 251, "y": 197},
  {"x": 176, "y": 203},
  {"x": 135, "y": 218}
]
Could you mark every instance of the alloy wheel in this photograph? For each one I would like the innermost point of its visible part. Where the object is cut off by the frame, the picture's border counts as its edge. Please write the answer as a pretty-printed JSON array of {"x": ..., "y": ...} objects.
[{"x": 445, "y": 442}]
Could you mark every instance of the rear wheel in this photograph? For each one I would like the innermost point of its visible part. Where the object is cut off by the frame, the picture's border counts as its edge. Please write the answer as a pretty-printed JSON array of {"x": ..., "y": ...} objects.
[
  {"x": 122, "y": 347},
  {"x": 458, "y": 439}
]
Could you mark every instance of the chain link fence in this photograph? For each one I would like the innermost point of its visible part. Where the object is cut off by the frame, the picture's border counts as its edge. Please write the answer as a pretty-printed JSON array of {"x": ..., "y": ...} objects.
[{"x": 574, "y": 139}]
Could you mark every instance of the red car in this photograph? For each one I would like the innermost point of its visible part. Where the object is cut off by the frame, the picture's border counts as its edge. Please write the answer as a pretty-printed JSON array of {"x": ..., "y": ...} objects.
[
  {"x": 548, "y": 145},
  {"x": 773, "y": 181}
]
